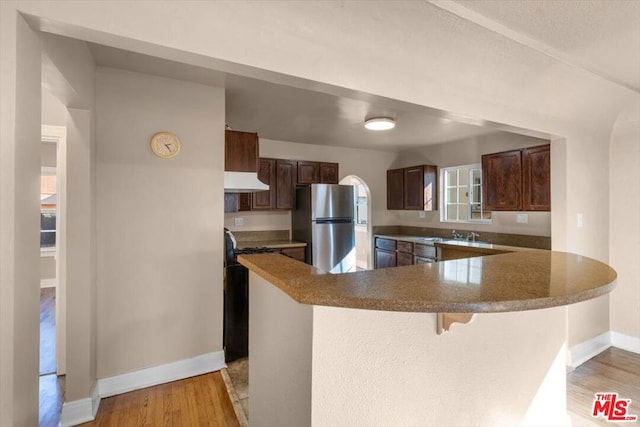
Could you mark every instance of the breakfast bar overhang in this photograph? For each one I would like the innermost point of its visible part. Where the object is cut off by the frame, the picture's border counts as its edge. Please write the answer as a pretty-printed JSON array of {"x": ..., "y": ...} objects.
[{"x": 363, "y": 348}]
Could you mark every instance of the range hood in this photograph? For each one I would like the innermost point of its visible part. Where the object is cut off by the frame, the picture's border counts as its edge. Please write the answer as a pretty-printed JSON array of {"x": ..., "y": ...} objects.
[
  {"x": 241, "y": 161},
  {"x": 243, "y": 182}
]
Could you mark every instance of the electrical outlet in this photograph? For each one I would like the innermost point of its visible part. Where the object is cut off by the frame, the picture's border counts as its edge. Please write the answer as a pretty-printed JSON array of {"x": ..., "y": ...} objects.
[
  {"x": 238, "y": 221},
  {"x": 422, "y": 214},
  {"x": 522, "y": 218},
  {"x": 580, "y": 220}
]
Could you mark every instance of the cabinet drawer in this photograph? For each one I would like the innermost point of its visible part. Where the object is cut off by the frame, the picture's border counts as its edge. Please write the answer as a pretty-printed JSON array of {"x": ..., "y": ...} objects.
[
  {"x": 425, "y": 251},
  {"x": 405, "y": 247},
  {"x": 422, "y": 260},
  {"x": 387, "y": 244},
  {"x": 403, "y": 258}
]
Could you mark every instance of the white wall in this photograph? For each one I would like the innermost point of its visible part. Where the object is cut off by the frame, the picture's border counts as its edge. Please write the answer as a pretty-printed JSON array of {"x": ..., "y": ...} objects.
[
  {"x": 469, "y": 151},
  {"x": 68, "y": 73},
  {"x": 371, "y": 166},
  {"x": 624, "y": 240},
  {"x": 160, "y": 269},
  {"x": 54, "y": 112},
  {"x": 19, "y": 219}
]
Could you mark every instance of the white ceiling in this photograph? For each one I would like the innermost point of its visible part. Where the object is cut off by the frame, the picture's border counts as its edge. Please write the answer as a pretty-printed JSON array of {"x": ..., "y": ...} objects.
[
  {"x": 600, "y": 36},
  {"x": 597, "y": 36},
  {"x": 286, "y": 113}
]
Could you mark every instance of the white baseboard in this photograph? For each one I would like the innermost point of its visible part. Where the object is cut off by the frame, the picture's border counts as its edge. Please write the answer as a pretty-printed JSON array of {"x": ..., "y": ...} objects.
[
  {"x": 584, "y": 351},
  {"x": 48, "y": 283},
  {"x": 84, "y": 410},
  {"x": 81, "y": 410},
  {"x": 625, "y": 342},
  {"x": 161, "y": 374}
]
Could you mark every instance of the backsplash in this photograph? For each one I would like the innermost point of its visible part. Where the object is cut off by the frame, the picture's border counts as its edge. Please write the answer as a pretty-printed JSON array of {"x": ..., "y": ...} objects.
[
  {"x": 258, "y": 236},
  {"x": 520, "y": 240}
]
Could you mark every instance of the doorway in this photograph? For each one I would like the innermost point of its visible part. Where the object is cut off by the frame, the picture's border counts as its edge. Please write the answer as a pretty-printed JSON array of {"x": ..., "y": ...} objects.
[
  {"x": 52, "y": 297},
  {"x": 363, "y": 229}
]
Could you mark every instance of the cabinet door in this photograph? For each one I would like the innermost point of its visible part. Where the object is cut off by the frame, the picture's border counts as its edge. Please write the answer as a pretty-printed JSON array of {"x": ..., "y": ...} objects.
[
  {"x": 295, "y": 253},
  {"x": 395, "y": 189},
  {"x": 430, "y": 188},
  {"x": 264, "y": 200},
  {"x": 502, "y": 181},
  {"x": 403, "y": 258},
  {"x": 308, "y": 172},
  {"x": 285, "y": 184},
  {"x": 536, "y": 178},
  {"x": 244, "y": 202},
  {"x": 413, "y": 197},
  {"x": 385, "y": 259},
  {"x": 329, "y": 173},
  {"x": 240, "y": 151}
]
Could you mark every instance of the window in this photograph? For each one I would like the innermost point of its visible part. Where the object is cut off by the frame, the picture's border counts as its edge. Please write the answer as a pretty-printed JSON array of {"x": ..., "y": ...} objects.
[
  {"x": 462, "y": 189},
  {"x": 48, "y": 204}
]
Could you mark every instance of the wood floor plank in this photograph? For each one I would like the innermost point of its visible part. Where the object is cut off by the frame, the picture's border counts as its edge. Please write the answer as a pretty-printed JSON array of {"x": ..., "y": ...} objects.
[{"x": 613, "y": 370}]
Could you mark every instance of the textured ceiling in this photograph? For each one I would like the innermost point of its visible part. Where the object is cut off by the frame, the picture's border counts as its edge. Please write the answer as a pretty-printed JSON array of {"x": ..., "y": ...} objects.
[{"x": 601, "y": 36}]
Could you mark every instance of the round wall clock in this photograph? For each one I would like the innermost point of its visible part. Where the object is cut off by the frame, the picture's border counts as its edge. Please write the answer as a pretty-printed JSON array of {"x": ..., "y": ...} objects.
[{"x": 165, "y": 145}]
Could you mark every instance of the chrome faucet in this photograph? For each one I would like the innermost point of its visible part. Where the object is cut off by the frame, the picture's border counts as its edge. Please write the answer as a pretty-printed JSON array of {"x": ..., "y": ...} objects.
[
  {"x": 472, "y": 236},
  {"x": 456, "y": 235}
]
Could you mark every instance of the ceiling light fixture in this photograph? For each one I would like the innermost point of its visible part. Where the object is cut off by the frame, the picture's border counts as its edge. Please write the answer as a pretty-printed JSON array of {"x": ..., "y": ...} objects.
[{"x": 379, "y": 123}]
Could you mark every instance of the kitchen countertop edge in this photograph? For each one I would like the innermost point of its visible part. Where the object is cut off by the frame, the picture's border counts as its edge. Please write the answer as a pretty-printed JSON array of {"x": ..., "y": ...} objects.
[{"x": 419, "y": 288}]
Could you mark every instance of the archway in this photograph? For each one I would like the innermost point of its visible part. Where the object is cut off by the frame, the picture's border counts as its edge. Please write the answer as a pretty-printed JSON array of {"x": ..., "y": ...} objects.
[{"x": 363, "y": 227}]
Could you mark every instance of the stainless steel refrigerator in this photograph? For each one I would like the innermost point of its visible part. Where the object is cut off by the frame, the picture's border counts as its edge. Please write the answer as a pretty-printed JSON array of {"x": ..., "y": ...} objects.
[{"x": 324, "y": 219}]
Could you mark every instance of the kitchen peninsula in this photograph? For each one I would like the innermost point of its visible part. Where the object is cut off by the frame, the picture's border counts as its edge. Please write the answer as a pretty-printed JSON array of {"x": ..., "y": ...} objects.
[{"x": 363, "y": 349}]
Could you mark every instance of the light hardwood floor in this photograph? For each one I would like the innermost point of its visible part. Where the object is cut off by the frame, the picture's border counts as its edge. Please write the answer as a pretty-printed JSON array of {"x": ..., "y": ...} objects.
[
  {"x": 197, "y": 401},
  {"x": 613, "y": 370}
]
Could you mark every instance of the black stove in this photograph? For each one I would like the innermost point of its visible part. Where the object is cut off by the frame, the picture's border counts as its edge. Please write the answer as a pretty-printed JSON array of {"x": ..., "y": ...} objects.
[{"x": 236, "y": 300}]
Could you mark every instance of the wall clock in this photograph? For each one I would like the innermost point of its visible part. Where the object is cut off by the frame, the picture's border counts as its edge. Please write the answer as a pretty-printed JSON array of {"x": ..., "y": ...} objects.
[{"x": 165, "y": 145}]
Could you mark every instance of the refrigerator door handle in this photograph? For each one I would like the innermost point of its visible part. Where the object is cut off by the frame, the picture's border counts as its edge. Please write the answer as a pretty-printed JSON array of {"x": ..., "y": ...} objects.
[{"x": 334, "y": 221}]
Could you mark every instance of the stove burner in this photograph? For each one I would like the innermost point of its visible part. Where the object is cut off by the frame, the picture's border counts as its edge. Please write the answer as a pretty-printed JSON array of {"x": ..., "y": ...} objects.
[{"x": 250, "y": 251}]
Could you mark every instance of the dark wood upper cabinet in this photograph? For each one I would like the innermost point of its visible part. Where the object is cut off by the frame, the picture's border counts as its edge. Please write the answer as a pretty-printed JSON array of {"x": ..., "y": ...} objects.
[
  {"x": 329, "y": 173},
  {"x": 286, "y": 184},
  {"x": 502, "y": 181},
  {"x": 308, "y": 172},
  {"x": 536, "y": 178},
  {"x": 240, "y": 151},
  {"x": 244, "y": 202},
  {"x": 413, "y": 188},
  {"x": 395, "y": 189},
  {"x": 517, "y": 180},
  {"x": 266, "y": 200},
  {"x": 420, "y": 188}
]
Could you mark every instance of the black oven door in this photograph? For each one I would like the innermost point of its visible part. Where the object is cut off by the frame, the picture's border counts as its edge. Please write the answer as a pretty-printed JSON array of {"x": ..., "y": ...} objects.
[{"x": 236, "y": 313}]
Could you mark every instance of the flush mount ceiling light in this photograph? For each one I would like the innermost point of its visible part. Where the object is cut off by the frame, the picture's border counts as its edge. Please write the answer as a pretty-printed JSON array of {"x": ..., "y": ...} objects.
[{"x": 379, "y": 123}]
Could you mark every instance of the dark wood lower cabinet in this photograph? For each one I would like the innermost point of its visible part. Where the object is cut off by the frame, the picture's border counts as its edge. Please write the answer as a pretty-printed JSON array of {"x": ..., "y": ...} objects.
[
  {"x": 385, "y": 259},
  {"x": 295, "y": 253},
  {"x": 404, "y": 258}
]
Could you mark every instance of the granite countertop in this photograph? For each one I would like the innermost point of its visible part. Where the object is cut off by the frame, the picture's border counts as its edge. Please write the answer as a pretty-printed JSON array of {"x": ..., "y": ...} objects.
[
  {"x": 275, "y": 244},
  {"x": 438, "y": 241},
  {"x": 516, "y": 281}
]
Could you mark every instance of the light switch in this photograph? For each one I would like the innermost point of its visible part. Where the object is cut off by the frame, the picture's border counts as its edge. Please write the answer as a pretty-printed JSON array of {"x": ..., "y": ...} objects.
[
  {"x": 580, "y": 220},
  {"x": 238, "y": 221},
  {"x": 522, "y": 218}
]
